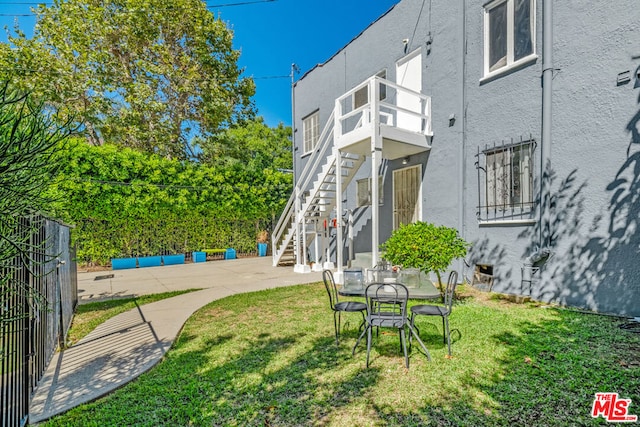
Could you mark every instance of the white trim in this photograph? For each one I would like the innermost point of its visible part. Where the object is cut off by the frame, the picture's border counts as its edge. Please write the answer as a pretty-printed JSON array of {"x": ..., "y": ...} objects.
[
  {"x": 508, "y": 68},
  {"x": 510, "y": 63},
  {"x": 314, "y": 131}
]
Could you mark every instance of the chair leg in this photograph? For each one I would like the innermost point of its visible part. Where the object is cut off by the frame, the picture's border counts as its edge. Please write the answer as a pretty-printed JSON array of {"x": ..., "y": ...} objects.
[
  {"x": 444, "y": 330},
  {"x": 368, "y": 343},
  {"x": 413, "y": 330},
  {"x": 446, "y": 318},
  {"x": 335, "y": 326},
  {"x": 364, "y": 321},
  {"x": 366, "y": 327},
  {"x": 411, "y": 326},
  {"x": 403, "y": 343}
]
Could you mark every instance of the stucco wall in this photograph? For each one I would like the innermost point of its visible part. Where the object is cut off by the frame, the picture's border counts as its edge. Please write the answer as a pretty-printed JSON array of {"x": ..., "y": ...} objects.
[{"x": 594, "y": 151}]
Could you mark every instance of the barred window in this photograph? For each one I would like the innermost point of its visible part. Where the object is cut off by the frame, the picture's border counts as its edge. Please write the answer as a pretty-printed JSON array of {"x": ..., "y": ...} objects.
[{"x": 505, "y": 181}]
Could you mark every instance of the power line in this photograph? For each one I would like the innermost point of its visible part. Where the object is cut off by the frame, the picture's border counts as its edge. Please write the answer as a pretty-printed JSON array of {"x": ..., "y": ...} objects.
[
  {"x": 212, "y": 6},
  {"x": 46, "y": 3},
  {"x": 69, "y": 73},
  {"x": 270, "y": 77}
]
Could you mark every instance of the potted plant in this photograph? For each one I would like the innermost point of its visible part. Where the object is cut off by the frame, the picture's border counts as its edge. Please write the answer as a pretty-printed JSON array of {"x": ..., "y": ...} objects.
[
  {"x": 425, "y": 246},
  {"x": 262, "y": 238}
]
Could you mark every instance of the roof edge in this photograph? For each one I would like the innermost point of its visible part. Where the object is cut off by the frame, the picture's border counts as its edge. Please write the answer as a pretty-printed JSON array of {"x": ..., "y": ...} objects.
[{"x": 321, "y": 64}]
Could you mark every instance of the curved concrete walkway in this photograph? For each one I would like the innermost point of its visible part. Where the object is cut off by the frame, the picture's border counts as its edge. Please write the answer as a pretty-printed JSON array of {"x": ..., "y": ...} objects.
[{"x": 129, "y": 344}]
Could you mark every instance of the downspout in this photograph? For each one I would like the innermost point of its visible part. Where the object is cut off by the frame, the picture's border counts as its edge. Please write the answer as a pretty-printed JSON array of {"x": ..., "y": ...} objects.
[
  {"x": 545, "y": 146},
  {"x": 463, "y": 145},
  {"x": 542, "y": 253}
]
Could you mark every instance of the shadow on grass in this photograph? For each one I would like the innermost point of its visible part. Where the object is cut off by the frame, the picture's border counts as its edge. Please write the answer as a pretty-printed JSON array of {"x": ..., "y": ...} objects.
[
  {"x": 244, "y": 364},
  {"x": 547, "y": 377},
  {"x": 255, "y": 389}
]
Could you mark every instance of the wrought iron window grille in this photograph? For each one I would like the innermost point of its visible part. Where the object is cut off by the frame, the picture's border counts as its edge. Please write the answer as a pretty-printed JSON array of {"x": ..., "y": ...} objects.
[{"x": 505, "y": 180}]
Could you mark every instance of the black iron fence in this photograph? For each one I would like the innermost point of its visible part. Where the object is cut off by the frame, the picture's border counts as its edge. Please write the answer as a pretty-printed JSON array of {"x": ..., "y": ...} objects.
[{"x": 37, "y": 299}]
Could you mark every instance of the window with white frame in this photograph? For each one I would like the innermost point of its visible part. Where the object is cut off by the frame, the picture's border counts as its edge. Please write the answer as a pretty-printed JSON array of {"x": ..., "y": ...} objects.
[
  {"x": 509, "y": 34},
  {"x": 311, "y": 131},
  {"x": 361, "y": 96},
  {"x": 364, "y": 191},
  {"x": 505, "y": 178}
]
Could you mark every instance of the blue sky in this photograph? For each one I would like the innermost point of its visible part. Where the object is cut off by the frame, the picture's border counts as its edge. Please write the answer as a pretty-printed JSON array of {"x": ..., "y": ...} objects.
[{"x": 271, "y": 36}]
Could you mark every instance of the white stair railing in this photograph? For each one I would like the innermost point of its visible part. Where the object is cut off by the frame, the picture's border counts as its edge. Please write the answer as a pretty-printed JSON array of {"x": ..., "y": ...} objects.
[{"x": 285, "y": 228}]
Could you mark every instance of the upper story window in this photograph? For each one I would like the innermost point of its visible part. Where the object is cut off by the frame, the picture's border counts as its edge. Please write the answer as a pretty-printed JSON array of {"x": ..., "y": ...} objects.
[
  {"x": 509, "y": 34},
  {"x": 505, "y": 181},
  {"x": 311, "y": 131}
]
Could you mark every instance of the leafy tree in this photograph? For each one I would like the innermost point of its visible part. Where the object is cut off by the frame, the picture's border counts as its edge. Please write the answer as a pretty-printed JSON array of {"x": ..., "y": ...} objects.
[
  {"x": 425, "y": 246},
  {"x": 147, "y": 74},
  {"x": 252, "y": 144},
  {"x": 28, "y": 141}
]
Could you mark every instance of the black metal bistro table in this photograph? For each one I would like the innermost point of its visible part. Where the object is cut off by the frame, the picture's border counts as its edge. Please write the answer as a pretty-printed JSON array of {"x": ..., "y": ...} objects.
[{"x": 426, "y": 291}]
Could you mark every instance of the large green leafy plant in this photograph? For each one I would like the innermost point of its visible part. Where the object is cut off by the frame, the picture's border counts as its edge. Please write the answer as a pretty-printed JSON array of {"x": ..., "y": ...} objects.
[
  {"x": 28, "y": 141},
  {"x": 145, "y": 74},
  {"x": 425, "y": 246},
  {"x": 126, "y": 203}
]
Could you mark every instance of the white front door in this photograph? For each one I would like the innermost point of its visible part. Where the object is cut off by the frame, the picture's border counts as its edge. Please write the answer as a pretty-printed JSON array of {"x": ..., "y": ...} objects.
[
  {"x": 407, "y": 190},
  {"x": 409, "y": 75}
]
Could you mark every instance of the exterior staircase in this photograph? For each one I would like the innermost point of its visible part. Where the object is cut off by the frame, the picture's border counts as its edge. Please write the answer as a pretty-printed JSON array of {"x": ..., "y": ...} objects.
[
  {"x": 393, "y": 126},
  {"x": 316, "y": 199}
]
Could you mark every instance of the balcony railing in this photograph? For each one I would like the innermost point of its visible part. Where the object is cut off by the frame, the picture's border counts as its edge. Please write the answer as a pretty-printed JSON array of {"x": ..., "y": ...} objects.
[{"x": 379, "y": 101}]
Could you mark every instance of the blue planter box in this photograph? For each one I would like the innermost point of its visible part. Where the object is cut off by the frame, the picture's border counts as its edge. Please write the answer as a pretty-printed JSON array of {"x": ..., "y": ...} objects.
[
  {"x": 262, "y": 249},
  {"x": 150, "y": 261},
  {"x": 123, "y": 263},
  {"x": 230, "y": 254},
  {"x": 173, "y": 259},
  {"x": 199, "y": 256}
]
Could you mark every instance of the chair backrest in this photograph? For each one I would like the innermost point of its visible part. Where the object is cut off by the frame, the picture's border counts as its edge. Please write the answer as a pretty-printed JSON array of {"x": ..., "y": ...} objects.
[
  {"x": 452, "y": 282},
  {"x": 387, "y": 304},
  {"x": 330, "y": 286}
]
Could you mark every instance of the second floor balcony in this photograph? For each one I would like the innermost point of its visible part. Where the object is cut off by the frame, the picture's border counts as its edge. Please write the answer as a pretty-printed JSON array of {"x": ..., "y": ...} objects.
[{"x": 381, "y": 114}]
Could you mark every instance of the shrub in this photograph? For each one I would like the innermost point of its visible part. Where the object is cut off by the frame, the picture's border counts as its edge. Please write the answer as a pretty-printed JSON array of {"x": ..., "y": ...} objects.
[{"x": 425, "y": 246}]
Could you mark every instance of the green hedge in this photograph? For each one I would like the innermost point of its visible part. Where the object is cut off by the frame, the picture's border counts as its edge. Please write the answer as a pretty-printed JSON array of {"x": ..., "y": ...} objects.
[
  {"x": 98, "y": 241},
  {"x": 125, "y": 203}
]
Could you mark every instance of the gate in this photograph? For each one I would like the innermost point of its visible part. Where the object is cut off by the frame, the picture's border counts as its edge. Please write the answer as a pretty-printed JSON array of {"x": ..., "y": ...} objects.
[{"x": 38, "y": 295}]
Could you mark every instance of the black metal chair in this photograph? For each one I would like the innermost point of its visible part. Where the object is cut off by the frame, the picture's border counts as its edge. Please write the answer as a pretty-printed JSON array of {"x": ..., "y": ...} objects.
[
  {"x": 386, "y": 308},
  {"x": 340, "y": 306},
  {"x": 438, "y": 310}
]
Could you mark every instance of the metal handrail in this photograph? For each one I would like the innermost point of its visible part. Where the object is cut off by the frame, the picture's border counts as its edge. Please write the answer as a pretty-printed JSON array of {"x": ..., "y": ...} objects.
[
  {"x": 312, "y": 164},
  {"x": 318, "y": 155}
]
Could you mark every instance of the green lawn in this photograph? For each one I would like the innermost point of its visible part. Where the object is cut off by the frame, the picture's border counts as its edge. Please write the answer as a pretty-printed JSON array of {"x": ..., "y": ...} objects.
[{"x": 269, "y": 359}]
